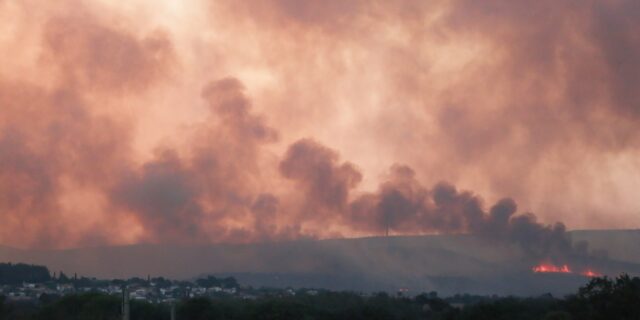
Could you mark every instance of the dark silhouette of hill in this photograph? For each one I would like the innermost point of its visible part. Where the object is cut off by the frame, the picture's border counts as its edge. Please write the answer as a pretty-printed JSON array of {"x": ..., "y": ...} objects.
[{"x": 445, "y": 263}]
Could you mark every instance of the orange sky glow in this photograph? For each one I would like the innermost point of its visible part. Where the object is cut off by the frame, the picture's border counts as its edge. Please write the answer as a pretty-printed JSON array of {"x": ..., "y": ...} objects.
[{"x": 238, "y": 121}]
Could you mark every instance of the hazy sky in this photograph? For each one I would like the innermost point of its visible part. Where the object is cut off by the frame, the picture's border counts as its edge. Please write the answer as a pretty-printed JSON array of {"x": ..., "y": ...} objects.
[{"x": 211, "y": 121}]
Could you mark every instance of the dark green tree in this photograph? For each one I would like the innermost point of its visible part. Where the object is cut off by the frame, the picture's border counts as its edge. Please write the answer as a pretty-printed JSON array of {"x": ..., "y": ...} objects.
[{"x": 605, "y": 298}]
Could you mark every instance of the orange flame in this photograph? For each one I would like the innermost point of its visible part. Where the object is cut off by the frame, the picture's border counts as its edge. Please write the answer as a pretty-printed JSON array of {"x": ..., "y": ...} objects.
[
  {"x": 550, "y": 268},
  {"x": 591, "y": 274}
]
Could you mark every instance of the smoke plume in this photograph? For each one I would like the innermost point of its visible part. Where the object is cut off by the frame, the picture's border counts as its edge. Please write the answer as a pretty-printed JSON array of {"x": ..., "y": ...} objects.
[{"x": 227, "y": 121}]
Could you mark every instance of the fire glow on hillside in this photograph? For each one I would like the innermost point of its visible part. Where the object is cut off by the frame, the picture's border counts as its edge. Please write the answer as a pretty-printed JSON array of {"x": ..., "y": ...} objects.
[
  {"x": 591, "y": 274},
  {"x": 551, "y": 268}
]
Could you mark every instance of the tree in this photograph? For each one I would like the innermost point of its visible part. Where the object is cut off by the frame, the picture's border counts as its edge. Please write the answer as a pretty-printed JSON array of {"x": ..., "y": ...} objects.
[
  {"x": 605, "y": 298},
  {"x": 63, "y": 277},
  {"x": 18, "y": 273}
]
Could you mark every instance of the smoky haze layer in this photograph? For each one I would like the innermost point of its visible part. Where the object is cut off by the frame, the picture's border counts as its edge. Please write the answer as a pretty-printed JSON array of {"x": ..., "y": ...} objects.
[{"x": 226, "y": 121}]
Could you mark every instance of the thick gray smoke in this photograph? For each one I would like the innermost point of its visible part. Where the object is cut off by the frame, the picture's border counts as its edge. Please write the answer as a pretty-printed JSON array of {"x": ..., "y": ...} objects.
[
  {"x": 82, "y": 159},
  {"x": 402, "y": 205},
  {"x": 186, "y": 197},
  {"x": 324, "y": 183}
]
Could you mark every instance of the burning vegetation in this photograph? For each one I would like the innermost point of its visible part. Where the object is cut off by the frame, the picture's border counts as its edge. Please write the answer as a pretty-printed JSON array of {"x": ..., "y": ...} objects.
[{"x": 552, "y": 268}]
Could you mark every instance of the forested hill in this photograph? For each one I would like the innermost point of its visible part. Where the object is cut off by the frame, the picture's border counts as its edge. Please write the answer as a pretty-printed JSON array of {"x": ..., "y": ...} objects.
[
  {"x": 18, "y": 273},
  {"x": 448, "y": 264}
]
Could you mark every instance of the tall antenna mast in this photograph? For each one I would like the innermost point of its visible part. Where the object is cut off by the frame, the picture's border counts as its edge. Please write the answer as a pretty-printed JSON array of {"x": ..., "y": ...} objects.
[{"x": 125, "y": 303}]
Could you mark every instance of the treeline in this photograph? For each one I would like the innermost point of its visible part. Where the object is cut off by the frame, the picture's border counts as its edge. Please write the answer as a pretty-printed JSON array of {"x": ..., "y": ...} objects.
[
  {"x": 211, "y": 281},
  {"x": 600, "y": 299},
  {"x": 11, "y": 274},
  {"x": 326, "y": 305},
  {"x": 87, "y": 306}
]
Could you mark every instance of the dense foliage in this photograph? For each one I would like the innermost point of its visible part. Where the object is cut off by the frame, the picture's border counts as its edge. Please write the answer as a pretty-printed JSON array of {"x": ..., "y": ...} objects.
[
  {"x": 212, "y": 281},
  {"x": 20, "y": 272},
  {"x": 328, "y": 305},
  {"x": 601, "y": 298},
  {"x": 604, "y": 298}
]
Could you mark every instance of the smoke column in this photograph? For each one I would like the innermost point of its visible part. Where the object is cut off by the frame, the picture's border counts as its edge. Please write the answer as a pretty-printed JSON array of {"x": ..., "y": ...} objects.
[{"x": 225, "y": 121}]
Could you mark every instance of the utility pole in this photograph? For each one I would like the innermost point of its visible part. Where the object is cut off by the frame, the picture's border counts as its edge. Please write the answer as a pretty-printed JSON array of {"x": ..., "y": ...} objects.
[
  {"x": 173, "y": 310},
  {"x": 125, "y": 303}
]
